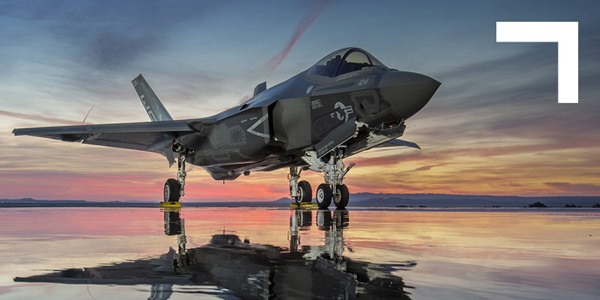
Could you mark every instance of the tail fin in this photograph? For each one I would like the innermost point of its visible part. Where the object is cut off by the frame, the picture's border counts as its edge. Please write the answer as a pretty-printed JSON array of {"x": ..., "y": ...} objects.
[
  {"x": 156, "y": 110},
  {"x": 261, "y": 87}
]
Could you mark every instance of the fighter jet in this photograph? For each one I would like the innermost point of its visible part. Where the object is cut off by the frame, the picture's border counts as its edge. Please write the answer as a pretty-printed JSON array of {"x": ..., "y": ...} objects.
[{"x": 346, "y": 103}]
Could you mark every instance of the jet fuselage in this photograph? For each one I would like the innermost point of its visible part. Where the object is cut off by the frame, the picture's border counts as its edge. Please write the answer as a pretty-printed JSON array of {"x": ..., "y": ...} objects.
[{"x": 316, "y": 109}]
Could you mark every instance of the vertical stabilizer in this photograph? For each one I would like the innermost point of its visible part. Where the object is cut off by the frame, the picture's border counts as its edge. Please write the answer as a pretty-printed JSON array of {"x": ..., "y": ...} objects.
[
  {"x": 261, "y": 87},
  {"x": 156, "y": 110}
]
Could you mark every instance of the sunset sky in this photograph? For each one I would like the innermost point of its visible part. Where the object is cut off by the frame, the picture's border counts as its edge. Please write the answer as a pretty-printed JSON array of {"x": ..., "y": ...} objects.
[{"x": 494, "y": 126}]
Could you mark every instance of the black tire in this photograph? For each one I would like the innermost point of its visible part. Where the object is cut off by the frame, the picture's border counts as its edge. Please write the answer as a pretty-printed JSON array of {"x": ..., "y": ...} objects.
[
  {"x": 171, "y": 191},
  {"x": 323, "y": 195},
  {"x": 304, "y": 191},
  {"x": 341, "y": 197}
]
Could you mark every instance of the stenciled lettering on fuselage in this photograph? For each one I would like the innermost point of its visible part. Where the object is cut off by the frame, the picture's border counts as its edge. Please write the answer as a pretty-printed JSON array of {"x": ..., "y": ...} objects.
[
  {"x": 316, "y": 104},
  {"x": 363, "y": 81}
]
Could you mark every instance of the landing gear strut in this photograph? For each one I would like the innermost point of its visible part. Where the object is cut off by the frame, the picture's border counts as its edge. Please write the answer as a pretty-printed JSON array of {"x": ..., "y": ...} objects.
[
  {"x": 299, "y": 191},
  {"x": 174, "y": 188},
  {"x": 334, "y": 187}
]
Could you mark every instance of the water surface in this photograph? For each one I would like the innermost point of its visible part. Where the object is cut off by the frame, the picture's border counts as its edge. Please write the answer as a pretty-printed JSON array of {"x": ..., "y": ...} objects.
[{"x": 102, "y": 253}]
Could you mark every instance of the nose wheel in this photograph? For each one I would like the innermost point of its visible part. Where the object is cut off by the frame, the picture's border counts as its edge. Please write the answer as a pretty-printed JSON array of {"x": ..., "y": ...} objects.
[
  {"x": 325, "y": 195},
  {"x": 341, "y": 196}
]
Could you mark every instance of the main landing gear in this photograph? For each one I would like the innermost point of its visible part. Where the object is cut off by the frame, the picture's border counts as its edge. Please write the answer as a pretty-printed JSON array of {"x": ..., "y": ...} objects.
[
  {"x": 174, "y": 188},
  {"x": 300, "y": 191},
  {"x": 333, "y": 188}
]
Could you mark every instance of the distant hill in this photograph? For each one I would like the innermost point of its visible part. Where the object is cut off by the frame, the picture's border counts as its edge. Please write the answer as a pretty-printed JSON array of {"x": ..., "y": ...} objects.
[
  {"x": 357, "y": 200},
  {"x": 28, "y": 202},
  {"x": 447, "y": 200}
]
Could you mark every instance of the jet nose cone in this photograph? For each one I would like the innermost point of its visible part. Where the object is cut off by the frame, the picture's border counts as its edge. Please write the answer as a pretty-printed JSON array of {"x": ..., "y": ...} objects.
[{"x": 407, "y": 92}]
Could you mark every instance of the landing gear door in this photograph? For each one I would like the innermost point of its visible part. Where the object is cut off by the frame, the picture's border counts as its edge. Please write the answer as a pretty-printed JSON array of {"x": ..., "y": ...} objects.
[{"x": 336, "y": 137}]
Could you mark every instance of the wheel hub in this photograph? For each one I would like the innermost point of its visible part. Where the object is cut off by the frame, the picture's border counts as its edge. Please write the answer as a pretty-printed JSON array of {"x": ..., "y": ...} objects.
[
  {"x": 337, "y": 196},
  {"x": 320, "y": 195}
]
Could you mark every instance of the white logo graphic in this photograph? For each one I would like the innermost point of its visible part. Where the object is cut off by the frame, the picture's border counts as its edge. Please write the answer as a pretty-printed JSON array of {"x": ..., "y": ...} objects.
[{"x": 345, "y": 111}]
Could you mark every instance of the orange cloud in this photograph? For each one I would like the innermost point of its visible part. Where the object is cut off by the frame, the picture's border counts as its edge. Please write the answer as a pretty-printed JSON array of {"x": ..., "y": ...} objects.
[{"x": 34, "y": 117}]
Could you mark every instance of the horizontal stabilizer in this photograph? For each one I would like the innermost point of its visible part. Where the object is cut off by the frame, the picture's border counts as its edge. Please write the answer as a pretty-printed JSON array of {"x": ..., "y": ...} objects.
[
  {"x": 155, "y": 109},
  {"x": 399, "y": 143}
]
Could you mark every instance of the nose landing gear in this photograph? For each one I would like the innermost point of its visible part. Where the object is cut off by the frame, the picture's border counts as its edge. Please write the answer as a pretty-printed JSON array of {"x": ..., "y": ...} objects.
[{"x": 325, "y": 195}]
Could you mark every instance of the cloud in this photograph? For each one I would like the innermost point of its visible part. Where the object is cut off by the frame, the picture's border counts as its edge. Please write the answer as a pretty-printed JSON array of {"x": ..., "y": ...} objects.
[
  {"x": 526, "y": 79},
  {"x": 424, "y": 168},
  {"x": 512, "y": 99},
  {"x": 575, "y": 188},
  {"x": 308, "y": 19},
  {"x": 106, "y": 35},
  {"x": 494, "y": 126},
  {"x": 34, "y": 117},
  {"x": 116, "y": 49}
]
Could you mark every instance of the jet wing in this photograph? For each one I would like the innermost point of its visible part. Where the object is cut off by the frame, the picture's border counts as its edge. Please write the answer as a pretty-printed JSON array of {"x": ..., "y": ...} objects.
[{"x": 145, "y": 136}]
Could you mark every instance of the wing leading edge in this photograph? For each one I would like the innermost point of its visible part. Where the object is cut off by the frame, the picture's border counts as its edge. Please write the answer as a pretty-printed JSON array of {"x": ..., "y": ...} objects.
[{"x": 145, "y": 136}]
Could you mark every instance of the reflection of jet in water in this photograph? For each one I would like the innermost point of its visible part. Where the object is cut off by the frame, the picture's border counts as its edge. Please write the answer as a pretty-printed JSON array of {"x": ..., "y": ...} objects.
[{"x": 252, "y": 271}]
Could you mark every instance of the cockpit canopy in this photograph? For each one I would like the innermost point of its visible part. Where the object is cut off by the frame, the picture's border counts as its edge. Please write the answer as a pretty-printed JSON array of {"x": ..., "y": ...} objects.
[{"x": 344, "y": 61}]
